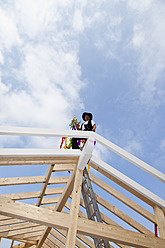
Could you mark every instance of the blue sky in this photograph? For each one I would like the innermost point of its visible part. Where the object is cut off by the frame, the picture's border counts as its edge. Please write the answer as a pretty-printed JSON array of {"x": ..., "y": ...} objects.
[{"x": 60, "y": 58}]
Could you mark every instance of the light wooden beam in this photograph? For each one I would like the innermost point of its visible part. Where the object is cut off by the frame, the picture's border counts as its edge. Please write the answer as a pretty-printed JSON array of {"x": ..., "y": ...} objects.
[
  {"x": 62, "y": 200},
  {"x": 71, "y": 235},
  {"x": 86, "y": 227},
  {"x": 44, "y": 185},
  {"x": 118, "y": 235},
  {"x": 160, "y": 218},
  {"x": 123, "y": 198},
  {"x": 31, "y": 180},
  {"x": 130, "y": 221},
  {"x": 127, "y": 183},
  {"x": 34, "y": 194},
  {"x": 32, "y": 213},
  {"x": 17, "y": 227}
]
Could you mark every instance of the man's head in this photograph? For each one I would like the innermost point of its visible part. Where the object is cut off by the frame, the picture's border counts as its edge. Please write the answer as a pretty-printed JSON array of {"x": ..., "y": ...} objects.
[{"x": 86, "y": 116}]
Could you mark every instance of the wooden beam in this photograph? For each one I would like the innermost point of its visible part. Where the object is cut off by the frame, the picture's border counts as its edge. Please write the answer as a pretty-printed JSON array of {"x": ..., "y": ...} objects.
[
  {"x": 118, "y": 235},
  {"x": 86, "y": 227},
  {"x": 127, "y": 183},
  {"x": 42, "y": 132},
  {"x": 32, "y": 213},
  {"x": 131, "y": 158},
  {"x": 122, "y": 215},
  {"x": 31, "y": 180},
  {"x": 71, "y": 235},
  {"x": 22, "y": 231},
  {"x": 62, "y": 200},
  {"x": 55, "y": 241},
  {"x": 34, "y": 194},
  {"x": 160, "y": 218},
  {"x": 38, "y": 153},
  {"x": 10, "y": 161},
  {"x": 61, "y": 235},
  {"x": 17, "y": 227},
  {"x": 123, "y": 198},
  {"x": 44, "y": 185},
  {"x": 105, "y": 220}
]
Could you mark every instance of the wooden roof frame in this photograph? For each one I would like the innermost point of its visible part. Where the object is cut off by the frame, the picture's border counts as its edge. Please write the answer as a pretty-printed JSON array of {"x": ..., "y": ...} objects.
[{"x": 37, "y": 226}]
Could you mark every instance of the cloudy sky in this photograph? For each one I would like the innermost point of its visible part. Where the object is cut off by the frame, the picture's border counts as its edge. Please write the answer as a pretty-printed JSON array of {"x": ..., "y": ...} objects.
[{"x": 60, "y": 58}]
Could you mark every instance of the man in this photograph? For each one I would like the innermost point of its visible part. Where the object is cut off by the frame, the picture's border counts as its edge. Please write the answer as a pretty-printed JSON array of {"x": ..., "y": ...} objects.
[{"x": 88, "y": 125}]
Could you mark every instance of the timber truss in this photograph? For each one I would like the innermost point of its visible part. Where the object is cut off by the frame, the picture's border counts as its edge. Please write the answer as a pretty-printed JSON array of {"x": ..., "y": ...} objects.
[{"x": 55, "y": 216}]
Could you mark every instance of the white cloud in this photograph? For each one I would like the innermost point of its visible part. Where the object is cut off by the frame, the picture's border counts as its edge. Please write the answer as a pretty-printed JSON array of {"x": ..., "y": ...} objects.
[
  {"x": 139, "y": 5},
  {"x": 149, "y": 38},
  {"x": 138, "y": 38},
  {"x": 41, "y": 80}
]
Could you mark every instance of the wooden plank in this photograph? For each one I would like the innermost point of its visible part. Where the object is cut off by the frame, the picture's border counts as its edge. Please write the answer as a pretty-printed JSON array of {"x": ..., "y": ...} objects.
[
  {"x": 63, "y": 198},
  {"x": 123, "y": 198},
  {"x": 22, "y": 231},
  {"x": 22, "y": 245},
  {"x": 118, "y": 235},
  {"x": 104, "y": 218},
  {"x": 127, "y": 183},
  {"x": 55, "y": 241},
  {"x": 11, "y": 221},
  {"x": 31, "y": 180},
  {"x": 44, "y": 185},
  {"x": 17, "y": 227},
  {"x": 34, "y": 214},
  {"x": 85, "y": 227},
  {"x": 160, "y": 219},
  {"x": 31, "y": 195},
  {"x": 61, "y": 235},
  {"x": 37, "y": 161},
  {"x": 64, "y": 167},
  {"x": 71, "y": 235},
  {"x": 131, "y": 158},
  {"x": 50, "y": 200}
]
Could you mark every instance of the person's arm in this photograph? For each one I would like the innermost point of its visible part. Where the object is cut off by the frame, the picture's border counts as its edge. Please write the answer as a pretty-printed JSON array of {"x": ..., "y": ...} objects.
[{"x": 94, "y": 128}]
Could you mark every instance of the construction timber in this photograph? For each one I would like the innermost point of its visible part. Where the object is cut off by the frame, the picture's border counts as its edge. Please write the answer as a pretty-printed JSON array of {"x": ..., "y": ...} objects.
[{"x": 44, "y": 207}]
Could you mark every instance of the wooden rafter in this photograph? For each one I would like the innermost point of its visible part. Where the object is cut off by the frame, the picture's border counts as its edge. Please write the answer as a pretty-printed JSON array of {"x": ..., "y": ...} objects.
[{"x": 84, "y": 226}]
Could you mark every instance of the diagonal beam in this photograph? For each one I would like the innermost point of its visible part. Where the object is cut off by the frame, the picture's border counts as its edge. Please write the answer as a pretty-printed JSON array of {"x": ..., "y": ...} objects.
[
  {"x": 44, "y": 185},
  {"x": 86, "y": 227},
  {"x": 63, "y": 198},
  {"x": 127, "y": 183}
]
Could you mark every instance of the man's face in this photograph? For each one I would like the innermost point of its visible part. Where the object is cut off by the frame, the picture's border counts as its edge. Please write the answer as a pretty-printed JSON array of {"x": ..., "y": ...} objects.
[{"x": 87, "y": 118}]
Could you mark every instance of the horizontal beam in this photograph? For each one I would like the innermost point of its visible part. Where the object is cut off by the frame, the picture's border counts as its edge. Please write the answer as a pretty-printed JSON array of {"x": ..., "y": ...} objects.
[
  {"x": 131, "y": 158},
  {"x": 34, "y": 194},
  {"x": 86, "y": 227},
  {"x": 53, "y": 153},
  {"x": 128, "y": 183},
  {"x": 31, "y": 180},
  {"x": 43, "y": 132}
]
